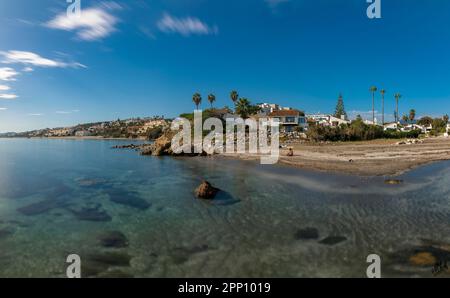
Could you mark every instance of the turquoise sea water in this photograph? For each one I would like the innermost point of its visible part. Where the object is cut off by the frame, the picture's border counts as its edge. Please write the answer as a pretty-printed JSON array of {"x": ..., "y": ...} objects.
[{"x": 59, "y": 197}]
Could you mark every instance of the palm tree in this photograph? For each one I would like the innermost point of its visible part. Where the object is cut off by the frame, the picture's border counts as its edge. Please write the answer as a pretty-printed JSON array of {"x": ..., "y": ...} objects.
[
  {"x": 397, "y": 98},
  {"x": 245, "y": 109},
  {"x": 197, "y": 99},
  {"x": 383, "y": 92},
  {"x": 405, "y": 118},
  {"x": 373, "y": 89},
  {"x": 234, "y": 96},
  {"x": 412, "y": 115},
  {"x": 445, "y": 118},
  {"x": 211, "y": 99}
]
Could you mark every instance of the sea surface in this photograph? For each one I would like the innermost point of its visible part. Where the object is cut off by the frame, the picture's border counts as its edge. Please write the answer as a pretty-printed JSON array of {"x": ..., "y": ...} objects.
[{"x": 128, "y": 215}]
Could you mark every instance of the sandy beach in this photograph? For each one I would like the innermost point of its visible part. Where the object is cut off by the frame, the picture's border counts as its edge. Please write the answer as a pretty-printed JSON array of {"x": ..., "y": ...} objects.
[{"x": 371, "y": 158}]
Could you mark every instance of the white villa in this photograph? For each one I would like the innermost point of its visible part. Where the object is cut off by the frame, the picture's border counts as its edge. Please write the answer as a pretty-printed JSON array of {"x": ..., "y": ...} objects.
[
  {"x": 327, "y": 120},
  {"x": 267, "y": 108}
]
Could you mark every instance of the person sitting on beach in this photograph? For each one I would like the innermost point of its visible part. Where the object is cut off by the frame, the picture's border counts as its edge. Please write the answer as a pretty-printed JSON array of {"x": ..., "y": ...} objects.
[{"x": 290, "y": 153}]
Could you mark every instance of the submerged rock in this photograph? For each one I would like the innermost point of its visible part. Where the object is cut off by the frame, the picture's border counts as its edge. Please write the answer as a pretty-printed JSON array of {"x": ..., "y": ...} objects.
[
  {"x": 307, "y": 234},
  {"x": 393, "y": 181},
  {"x": 181, "y": 255},
  {"x": 423, "y": 259},
  {"x": 128, "y": 199},
  {"x": 90, "y": 182},
  {"x": 5, "y": 232},
  {"x": 110, "y": 259},
  {"x": 115, "y": 274},
  {"x": 39, "y": 207},
  {"x": 91, "y": 214},
  {"x": 333, "y": 240},
  {"x": 206, "y": 191},
  {"x": 427, "y": 255},
  {"x": 113, "y": 239}
]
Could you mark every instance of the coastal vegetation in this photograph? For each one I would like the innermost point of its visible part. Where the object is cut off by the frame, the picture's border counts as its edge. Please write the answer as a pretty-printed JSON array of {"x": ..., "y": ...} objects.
[{"x": 357, "y": 130}]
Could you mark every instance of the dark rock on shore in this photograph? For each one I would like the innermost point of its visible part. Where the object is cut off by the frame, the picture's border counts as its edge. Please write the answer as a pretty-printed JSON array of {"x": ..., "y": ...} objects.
[
  {"x": 333, "y": 240},
  {"x": 307, "y": 234},
  {"x": 113, "y": 239},
  {"x": 131, "y": 146},
  {"x": 206, "y": 191}
]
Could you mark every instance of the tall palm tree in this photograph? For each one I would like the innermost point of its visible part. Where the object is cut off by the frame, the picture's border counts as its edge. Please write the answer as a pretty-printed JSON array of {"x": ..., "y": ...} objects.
[
  {"x": 373, "y": 89},
  {"x": 383, "y": 92},
  {"x": 234, "y": 96},
  {"x": 397, "y": 98},
  {"x": 412, "y": 115},
  {"x": 211, "y": 99},
  {"x": 197, "y": 99}
]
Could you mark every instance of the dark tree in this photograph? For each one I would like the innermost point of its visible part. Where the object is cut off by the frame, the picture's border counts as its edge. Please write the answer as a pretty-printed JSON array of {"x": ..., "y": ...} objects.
[{"x": 340, "y": 108}]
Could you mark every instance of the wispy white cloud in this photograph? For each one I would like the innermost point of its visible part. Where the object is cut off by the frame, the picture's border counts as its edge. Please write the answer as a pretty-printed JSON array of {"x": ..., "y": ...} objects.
[
  {"x": 8, "y": 96},
  {"x": 28, "y": 69},
  {"x": 67, "y": 112},
  {"x": 4, "y": 88},
  {"x": 8, "y": 74},
  {"x": 35, "y": 114},
  {"x": 92, "y": 23},
  {"x": 30, "y": 58},
  {"x": 3, "y": 109},
  {"x": 185, "y": 26}
]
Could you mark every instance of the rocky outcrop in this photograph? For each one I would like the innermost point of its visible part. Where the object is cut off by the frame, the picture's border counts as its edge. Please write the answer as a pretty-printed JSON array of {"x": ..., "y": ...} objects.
[
  {"x": 409, "y": 142},
  {"x": 206, "y": 191},
  {"x": 162, "y": 146}
]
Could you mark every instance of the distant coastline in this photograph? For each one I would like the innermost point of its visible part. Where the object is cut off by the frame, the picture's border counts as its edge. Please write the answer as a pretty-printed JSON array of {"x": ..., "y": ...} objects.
[{"x": 99, "y": 138}]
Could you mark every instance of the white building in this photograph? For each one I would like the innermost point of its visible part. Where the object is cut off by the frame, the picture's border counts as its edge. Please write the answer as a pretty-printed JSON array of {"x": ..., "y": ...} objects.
[
  {"x": 327, "y": 120},
  {"x": 267, "y": 108}
]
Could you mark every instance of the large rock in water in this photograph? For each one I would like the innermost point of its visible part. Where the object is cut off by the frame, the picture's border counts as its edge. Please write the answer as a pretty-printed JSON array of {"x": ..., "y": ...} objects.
[
  {"x": 162, "y": 145},
  {"x": 206, "y": 191}
]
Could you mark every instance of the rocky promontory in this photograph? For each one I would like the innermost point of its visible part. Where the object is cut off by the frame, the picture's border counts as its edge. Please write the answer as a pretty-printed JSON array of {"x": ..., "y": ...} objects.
[{"x": 160, "y": 147}]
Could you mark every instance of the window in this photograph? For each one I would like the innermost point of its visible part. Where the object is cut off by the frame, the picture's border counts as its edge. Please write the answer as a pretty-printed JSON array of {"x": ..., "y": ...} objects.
[{"x": 290, "y": 119}]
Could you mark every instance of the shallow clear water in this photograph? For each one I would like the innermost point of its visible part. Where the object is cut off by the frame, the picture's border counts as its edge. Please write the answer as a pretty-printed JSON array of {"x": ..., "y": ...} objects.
[{"x": 250, "y": 230}]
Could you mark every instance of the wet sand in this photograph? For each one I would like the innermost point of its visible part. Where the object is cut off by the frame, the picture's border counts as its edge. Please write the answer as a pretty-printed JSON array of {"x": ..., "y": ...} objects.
[{"x": 371, "y": 158}]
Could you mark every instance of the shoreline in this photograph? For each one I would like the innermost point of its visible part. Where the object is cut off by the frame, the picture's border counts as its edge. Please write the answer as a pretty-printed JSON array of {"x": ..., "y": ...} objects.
[
  {"x": 366, "y": 159},
  {"x": 381, "y": 157}
]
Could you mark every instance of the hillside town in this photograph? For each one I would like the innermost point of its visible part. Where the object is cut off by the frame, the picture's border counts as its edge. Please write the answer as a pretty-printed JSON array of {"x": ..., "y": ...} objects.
[{"x": 134, "y": 128}]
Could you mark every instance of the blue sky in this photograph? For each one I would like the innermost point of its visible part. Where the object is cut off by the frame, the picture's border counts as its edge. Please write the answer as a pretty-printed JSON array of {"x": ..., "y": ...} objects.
[{"x": 141, "y": 58}]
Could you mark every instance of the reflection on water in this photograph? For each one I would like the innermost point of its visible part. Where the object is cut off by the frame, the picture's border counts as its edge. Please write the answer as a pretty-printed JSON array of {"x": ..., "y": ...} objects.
[{"x": 128, "y": 215}]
